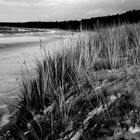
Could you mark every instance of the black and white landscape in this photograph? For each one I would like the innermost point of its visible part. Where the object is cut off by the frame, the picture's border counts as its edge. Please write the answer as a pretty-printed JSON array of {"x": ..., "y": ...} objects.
[{"x": 69, "y": 70}]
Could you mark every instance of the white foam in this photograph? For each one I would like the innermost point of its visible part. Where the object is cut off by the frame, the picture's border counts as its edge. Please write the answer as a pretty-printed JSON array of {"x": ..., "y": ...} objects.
[
  {"x": 52, "y": 32},
  {"x": 1, "y": 35}
]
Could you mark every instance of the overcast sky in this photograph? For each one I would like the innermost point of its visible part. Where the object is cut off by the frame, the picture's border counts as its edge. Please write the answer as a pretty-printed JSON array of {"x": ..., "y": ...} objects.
[{"x": 52, "y": 10}]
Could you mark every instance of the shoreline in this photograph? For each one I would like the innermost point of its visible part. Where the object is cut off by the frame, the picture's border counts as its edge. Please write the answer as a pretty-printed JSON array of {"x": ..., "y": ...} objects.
[{"x": 12, "y": 59}]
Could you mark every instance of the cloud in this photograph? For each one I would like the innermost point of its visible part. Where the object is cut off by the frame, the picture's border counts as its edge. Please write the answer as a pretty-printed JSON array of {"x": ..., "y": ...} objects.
[
  {"x": 13, "y": 3},
  {"x": 29, "y": 2},
  {"x": 47, "y": 10},
  {"x": 46, "y": 3},
  {"x": 109, "y": 7},
  {"x": 96, "y": 12}
]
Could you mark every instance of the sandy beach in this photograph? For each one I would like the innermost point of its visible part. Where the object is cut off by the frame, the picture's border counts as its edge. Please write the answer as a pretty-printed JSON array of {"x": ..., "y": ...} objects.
[{"x": 14, "y": 53}]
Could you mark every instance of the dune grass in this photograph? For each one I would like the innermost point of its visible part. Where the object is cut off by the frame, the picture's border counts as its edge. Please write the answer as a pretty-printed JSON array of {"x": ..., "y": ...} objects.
[{"x": 89, "y": 86}]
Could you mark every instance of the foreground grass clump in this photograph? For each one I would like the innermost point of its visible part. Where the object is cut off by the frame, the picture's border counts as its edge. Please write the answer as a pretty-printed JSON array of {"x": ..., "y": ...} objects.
[{"x": 90, "y": 90}]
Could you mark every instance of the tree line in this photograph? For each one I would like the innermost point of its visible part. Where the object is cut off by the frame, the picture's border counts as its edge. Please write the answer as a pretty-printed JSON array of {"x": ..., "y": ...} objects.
[{"x": 92, "y": 23}]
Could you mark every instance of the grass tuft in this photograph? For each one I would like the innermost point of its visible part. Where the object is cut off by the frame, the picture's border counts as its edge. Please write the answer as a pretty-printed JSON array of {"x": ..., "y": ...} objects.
[{"x": 84, "y": 88}]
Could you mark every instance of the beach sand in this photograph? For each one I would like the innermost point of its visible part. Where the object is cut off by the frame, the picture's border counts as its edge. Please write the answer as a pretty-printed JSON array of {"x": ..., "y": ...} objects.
[{"x": 15, "y": 52}]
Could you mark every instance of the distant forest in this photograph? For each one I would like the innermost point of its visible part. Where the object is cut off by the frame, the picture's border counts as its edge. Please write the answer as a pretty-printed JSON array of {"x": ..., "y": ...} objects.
[{"x": 92, "y": 23}]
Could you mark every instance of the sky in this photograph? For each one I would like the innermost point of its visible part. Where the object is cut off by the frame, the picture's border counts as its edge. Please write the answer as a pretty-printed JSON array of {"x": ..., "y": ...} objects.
[{"x": 52, "y": 10}]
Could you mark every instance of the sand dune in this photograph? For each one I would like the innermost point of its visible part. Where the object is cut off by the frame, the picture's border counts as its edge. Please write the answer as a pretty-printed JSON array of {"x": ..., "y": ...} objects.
[{"x": 14, "y": 52}]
